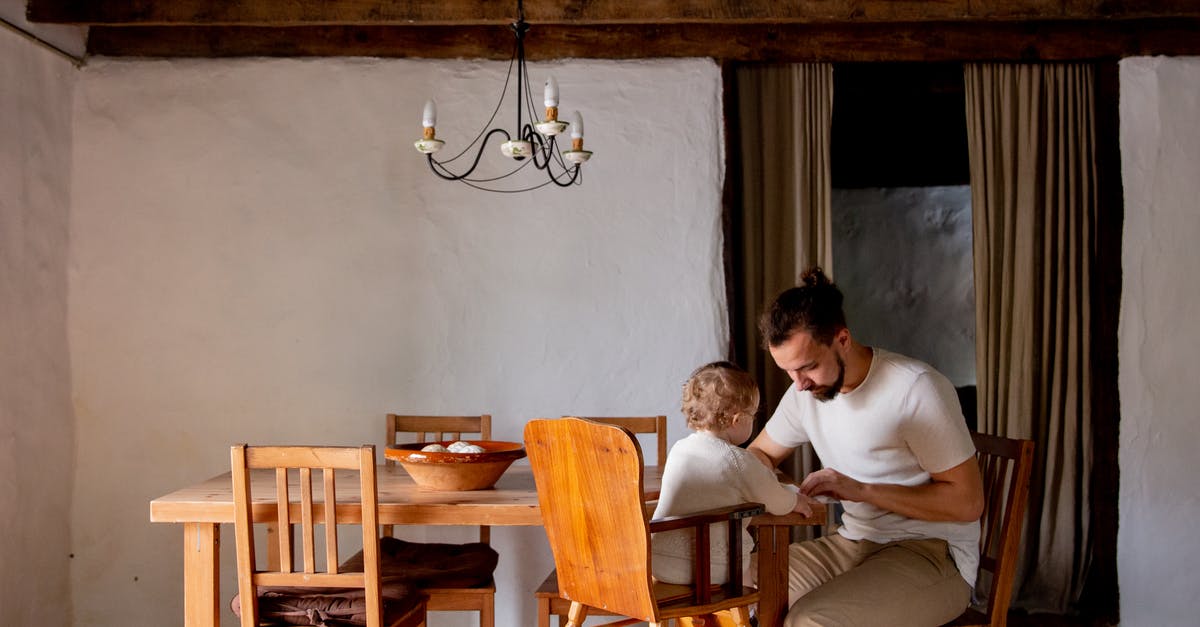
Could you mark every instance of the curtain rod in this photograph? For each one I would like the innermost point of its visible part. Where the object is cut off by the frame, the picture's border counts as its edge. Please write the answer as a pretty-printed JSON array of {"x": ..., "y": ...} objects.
[{"x": 77, "y": 61}]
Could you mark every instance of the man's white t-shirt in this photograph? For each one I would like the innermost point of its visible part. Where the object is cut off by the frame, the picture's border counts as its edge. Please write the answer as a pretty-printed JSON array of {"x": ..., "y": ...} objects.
[{"x": 900, "y": 424}]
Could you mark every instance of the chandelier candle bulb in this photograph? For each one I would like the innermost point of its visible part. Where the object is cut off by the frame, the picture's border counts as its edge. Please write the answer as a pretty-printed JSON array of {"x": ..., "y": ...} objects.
[
  {"x": 429, "y": 143},
  {"x": 550, "y": 99},
  {"x": 551, "y": 126},
  {"x": 577, "y": 132},
  {"x": 577, "y": 126},
  {"x": 429, "y": 115},
  {"x": 577, "y": 154}
]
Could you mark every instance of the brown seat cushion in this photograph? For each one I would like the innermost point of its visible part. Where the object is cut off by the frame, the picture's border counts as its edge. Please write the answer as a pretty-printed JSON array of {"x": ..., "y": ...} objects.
[
  {"x": 433, "y": 564},
  {"x": 331, "y": 607},
  {"x": 406, "y": 567}
]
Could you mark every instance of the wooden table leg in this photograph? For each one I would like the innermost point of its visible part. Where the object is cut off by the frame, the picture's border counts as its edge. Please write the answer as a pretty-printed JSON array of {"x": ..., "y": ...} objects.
[
  {"x": 201, "y": 574},
  {"x": 773, "y": 541}
]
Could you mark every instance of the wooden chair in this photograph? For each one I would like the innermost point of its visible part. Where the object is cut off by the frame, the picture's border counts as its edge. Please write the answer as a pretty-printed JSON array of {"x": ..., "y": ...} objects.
[
  {"x": 1005, "y": 464},
  {"x": 548, "y": 600},
  {"x": 315, "y": 508},
  {"x": 480, "y": 599},
  {"x": 639, "y": 425},
  {"x": 590, "y": 491}
]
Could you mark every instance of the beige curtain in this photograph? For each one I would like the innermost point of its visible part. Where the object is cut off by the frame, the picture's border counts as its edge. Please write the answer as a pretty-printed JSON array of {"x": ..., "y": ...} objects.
[
  {"x": 1032, "y": 142},
  {"x": 784, "y": 115}
]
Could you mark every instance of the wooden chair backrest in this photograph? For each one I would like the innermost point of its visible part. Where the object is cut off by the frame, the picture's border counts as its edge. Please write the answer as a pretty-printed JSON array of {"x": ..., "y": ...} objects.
[
  {"x": 1005, "y": 464},
  {"x": 437, "y": 429},
  {"x": 639, "y": 425},
  {"x": 315, "y": 507},
  {"x": 589, "y": 486}
]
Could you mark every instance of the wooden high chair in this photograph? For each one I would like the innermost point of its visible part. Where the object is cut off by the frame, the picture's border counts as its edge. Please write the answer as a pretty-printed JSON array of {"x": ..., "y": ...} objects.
[
  {"x": 548, "y": 600},
  {"x": 590, "y": 491}
]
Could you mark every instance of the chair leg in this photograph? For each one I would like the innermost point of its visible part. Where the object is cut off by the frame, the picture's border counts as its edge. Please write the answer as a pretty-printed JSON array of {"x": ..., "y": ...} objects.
[
  {"x": 741, "y": 616},
  {"x": 577, "y": 614},
  {"x": 487, "y": 615},
  {"x": 738, "y": 616}
]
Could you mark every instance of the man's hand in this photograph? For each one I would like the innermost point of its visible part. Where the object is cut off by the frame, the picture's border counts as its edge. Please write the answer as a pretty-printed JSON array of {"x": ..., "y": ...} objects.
[
  {"x": 829, "y": 482},
  {"x": 952, "y": 495}
]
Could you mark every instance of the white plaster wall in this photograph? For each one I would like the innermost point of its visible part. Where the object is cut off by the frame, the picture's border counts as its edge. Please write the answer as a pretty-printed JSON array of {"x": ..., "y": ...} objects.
[
  {"x": 1158, "y": 500},
  {"x": 36, "y": 435},
  {"x": 260, "y": 255},
  {"x": 902, "y": 257}
]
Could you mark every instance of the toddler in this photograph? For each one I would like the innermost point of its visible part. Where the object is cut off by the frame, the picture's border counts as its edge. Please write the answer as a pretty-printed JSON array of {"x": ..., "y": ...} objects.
[{"x": 708, "y": 470}]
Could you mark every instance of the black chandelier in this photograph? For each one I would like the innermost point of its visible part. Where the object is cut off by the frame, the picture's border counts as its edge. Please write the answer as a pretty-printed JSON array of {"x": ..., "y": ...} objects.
[{"x": 536, "y": 142}]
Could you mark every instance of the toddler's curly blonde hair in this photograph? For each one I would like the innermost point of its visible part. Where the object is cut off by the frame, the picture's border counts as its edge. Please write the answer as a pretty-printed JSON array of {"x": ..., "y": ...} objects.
[{"x": 716, "y": 393}]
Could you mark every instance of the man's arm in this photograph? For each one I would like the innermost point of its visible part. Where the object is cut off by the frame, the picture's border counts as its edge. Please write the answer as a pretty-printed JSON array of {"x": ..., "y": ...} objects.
[
  {"x": 952, "y": 495},
  {"x": 769, "y": 452}
]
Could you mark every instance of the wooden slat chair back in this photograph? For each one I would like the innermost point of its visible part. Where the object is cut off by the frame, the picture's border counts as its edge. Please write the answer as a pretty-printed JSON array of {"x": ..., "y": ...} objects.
[
  {"x": 315, "y": 508},
  {"x": 1005, "y": 464},
  {"x": 548, "y": 600},
  {"x": 436, "y": 428},
  {"x": 411, "y": 428},
  {"x": 590, "y": 486}
]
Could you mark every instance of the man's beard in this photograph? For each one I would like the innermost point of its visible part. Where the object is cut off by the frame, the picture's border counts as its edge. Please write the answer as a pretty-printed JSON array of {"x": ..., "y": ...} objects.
[{"x": 825, "y": 393}]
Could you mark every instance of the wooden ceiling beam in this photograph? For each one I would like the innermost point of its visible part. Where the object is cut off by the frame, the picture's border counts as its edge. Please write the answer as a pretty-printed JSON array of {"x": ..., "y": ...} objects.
[
  {"x": 996, "y": 41},
  {"x": 590, "y": 12}
]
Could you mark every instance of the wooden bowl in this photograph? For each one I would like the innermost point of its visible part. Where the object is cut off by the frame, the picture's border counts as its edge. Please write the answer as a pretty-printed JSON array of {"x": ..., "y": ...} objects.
[{"x": 456, "y": 471}]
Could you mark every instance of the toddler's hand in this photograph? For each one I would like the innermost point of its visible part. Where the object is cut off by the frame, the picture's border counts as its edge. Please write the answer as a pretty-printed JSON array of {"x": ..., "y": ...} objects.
[{"x": 804, "y": 505}]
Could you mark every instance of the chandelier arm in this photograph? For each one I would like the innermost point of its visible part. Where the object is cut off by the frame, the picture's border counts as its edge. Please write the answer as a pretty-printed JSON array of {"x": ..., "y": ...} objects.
[
  {"x": 526, "y": 99},
  {"x": 562, "y": 163},
  {"x": 441, "y": 170},
  {"x": 575, "y": 171},
  {"x": 547, "y": 147},
  {"x": 506, "y": 191},
  {"x": 495, "y": 112},
  {"x": 576, "y": 176},
  {"x": 501, "y": 176},
  {"x": 540, "y": 146},
  {"x": 548, "y": 151},
  {"x": 557, "y": 156}
]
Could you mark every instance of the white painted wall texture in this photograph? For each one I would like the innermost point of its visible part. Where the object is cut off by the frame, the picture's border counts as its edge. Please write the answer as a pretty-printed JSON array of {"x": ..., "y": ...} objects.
[
  {"x": 1158, "y": 341},
  {"x": 902, "y": 257},
  {"x": 36, "y": 423},
  {"x": 259, "y": 255}
]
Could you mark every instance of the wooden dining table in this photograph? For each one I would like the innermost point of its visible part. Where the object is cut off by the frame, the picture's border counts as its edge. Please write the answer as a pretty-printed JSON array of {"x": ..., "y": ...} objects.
[{"x": 203, "y": 507}]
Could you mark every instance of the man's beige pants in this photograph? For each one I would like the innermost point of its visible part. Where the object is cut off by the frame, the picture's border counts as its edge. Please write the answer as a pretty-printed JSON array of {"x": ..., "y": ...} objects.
[{"x": 835, "y": 582}]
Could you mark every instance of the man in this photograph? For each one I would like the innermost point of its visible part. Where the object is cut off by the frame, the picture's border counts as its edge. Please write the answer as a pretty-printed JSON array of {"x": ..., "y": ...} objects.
[{"x": 896, "y": 452}]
